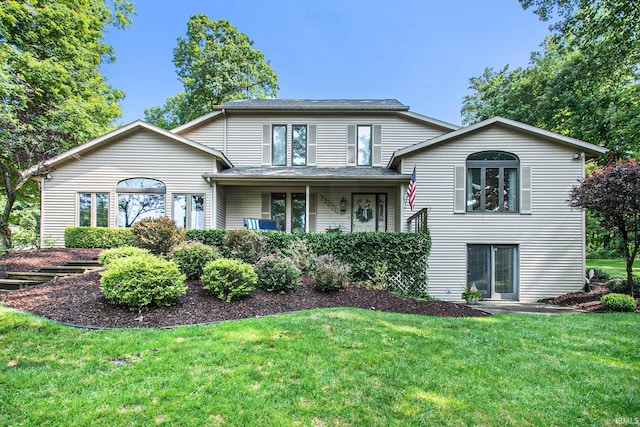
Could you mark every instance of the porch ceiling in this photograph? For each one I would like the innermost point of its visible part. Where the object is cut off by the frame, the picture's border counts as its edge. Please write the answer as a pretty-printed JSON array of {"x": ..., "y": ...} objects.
[{"x": 307, "y": 175}]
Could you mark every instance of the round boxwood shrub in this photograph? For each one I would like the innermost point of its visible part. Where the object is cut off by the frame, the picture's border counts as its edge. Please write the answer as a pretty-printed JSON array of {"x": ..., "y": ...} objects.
[
  {"x": 228, "y": 279},
  {"x": 331, "y": 274},
  {"x": 158, "y": 235},
  {"x": 277, "y": 273},
  {"x": 109, "y": 255},
  {"x": 142, "y": 281},
  {"x": 191, "y": 257},
  {"x": 618, "y": 302}
]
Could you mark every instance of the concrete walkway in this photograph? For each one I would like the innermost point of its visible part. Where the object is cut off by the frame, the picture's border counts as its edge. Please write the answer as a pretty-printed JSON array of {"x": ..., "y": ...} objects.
[{"x": 495, "y": 307}]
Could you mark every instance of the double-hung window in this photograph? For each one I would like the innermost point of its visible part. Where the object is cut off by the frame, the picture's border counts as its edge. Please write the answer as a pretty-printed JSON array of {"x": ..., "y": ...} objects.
[
  {"x": 188, "y": 211},
  {"x": 299, "y": 145},
  {"x": 492, "y": 182},
  {"x": 93, "y": 209}
]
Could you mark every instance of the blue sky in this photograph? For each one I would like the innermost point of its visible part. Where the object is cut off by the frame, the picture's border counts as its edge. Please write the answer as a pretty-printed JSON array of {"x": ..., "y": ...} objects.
[{"x": 419, "y": 52}]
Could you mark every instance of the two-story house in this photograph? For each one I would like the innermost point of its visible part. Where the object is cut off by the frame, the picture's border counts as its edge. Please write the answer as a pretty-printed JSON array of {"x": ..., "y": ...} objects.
[{"x": 495, "y": 191}]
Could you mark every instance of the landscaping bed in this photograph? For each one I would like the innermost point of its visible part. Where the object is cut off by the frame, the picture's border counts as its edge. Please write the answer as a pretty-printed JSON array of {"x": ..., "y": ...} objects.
[{"x": 79, "y": 301}]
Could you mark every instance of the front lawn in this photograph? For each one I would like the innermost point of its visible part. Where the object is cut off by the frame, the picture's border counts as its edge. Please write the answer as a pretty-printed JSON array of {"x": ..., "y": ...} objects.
[
  {"x": 325, "y": 367},
  {"x": 616, "y": 267}
]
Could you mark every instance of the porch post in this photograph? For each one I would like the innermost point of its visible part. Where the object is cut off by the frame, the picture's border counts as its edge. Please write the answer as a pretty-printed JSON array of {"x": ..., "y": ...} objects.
[{"x": 307, "y": 211}]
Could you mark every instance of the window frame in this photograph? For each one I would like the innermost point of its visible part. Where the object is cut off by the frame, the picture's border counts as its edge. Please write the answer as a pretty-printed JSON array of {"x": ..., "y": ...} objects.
[
  {"x": 189, "y": 210},
  {"x": 273, "y": 141},
  {"x": 507, "y": 162},
  {"x": 280, "y": 223},
  {"x": 306, "y": 144},
  {"x": 370, "y": 149},
  {"x": 93, "y": 208},
  {"x": 159, "y": 190},
  {"x": 299, "y": 197}
]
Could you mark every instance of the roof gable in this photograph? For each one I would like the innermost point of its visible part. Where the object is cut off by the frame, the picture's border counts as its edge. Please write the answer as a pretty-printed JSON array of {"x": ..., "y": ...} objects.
[
  {"x": 591, "y": 150},
  {"x": 128, "y": 130}
]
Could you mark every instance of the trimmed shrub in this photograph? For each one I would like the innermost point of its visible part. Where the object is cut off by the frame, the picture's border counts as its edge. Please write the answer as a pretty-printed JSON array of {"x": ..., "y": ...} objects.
[
  {"x": 158, "y": 235},
  {"x": 208, "y": 237},
  {"x": 331, "y": 274},
  {"x": 228, "y": 279},
  {"x": 107, "y": 256},
  {"x": 302, "y": 257},
  {"x": 142, "y": 281},
  {"x": 620, "y": 286},
  {"x": 97, "y": 237},
  {"x": 277, "y": 273},
  {"x": 619, "y": 302},
  {"x": 245, "y": 245},
  {"x": 191, "y": 257}
]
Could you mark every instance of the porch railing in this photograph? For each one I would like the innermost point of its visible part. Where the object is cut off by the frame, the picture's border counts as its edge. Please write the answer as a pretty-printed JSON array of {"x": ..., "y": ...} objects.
[{"x": 418, "y": 221}]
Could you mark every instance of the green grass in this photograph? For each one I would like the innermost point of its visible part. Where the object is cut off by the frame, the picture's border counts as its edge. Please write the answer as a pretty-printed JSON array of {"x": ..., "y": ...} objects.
[
  {"x": 343, "y": 367},
  {"x": 616, "y": 267}
]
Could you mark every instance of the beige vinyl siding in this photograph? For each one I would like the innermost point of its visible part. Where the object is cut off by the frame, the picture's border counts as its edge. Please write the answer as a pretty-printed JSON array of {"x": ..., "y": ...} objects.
[
  {"x": 221, "y": 212},
  {"x": 140, "y": 155},
  {"x": 245, "y": 135},
  {"x": 550, "y": 238}
]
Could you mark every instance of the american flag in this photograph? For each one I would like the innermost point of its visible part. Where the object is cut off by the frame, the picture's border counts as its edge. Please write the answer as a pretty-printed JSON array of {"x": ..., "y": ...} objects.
[{"x": 411, "y": 189}]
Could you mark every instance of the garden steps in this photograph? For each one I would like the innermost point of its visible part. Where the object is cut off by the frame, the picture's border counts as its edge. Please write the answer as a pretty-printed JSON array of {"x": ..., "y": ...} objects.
[{"x": 22, "y": 279}]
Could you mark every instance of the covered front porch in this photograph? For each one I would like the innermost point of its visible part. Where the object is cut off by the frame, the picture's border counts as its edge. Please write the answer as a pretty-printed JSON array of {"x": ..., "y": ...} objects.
[{"x": 309, "y": 199}]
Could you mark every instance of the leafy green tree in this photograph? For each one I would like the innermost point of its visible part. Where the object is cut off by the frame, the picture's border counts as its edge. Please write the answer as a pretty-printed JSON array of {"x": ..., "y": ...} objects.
[
  {"x": 52, "y": 95},
  {"x": 215, "y": 63},
  {"x": 612, "y": 194},
  {"x": 584, "y": 83}
]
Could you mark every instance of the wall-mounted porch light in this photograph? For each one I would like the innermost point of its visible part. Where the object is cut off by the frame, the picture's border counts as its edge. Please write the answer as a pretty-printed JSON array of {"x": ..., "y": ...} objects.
[{"x": 343, "y": 205}]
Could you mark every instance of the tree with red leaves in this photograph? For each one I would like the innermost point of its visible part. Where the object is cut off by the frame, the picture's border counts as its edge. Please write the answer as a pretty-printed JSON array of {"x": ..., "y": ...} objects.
[{"x": 613, "y": 195}]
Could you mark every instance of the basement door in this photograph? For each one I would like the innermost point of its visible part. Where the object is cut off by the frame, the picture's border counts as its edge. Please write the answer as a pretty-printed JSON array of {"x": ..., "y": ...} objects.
[{"x": 493, "y": 269}]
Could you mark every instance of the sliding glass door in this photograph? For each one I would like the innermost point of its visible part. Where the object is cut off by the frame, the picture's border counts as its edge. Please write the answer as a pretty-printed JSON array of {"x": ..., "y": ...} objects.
[{"x": 493, "y": 269}]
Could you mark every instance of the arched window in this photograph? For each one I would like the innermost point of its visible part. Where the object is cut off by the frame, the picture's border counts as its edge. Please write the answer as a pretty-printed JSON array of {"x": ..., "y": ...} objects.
[
  {"x": 138, "y": 199},
  {"x": 492, "y": 182}
]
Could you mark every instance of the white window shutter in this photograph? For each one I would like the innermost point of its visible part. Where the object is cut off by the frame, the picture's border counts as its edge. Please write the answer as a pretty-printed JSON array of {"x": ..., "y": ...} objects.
[
  {"x": 351, "y": 145},
  {"x": 312, "y": 146},
  {"x": 460, "y": 199},
  {"x": 525, "y": 193},
  {"x": 312, "y": 212},
  {"x": 266, "y": 206},
  {"x": 266, "y": 145},
  {"x": 377, "y": 145}
]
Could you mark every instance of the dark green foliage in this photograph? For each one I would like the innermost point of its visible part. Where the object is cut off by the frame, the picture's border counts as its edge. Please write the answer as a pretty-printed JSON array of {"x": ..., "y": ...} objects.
[
  {"x": 97, "y": 237},
  {"x": 139, "y": 282},
  {"x": 229, "y": 279},
  {"x": 208, "y": 237},
  {"x": 599, "y": 274},
  {"x": 619, "y": 302},
  {"x": 331, "y": 274},
  {"x": 106, "y": 257},
  {"x": 621, "y": 286},
  {"x": 244, "y": 245},
  {"x": 402, "y": 252},
  {"x": 158, "y": 235},
  {"x": 277, "y": 273},
  {"x": 191, "y": 258}
]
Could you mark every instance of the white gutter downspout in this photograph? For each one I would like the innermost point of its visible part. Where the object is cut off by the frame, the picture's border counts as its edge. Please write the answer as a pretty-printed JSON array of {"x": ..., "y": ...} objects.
[
  {"x": 224, "y": 136},
  {"x": 42, "y": 206}
]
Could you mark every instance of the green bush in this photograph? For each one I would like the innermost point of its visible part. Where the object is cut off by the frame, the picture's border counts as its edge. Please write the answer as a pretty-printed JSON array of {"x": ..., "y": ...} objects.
[
  {"x": 620, "y": 286},
  {"x": 158, "y": 235},
  {"x": 191, "y": 257},
  {"x": 618, "y": 302},
  {"x": 97, "y": 237},
  {"x": 228, "y": 279},
  {"x": 277, "y": 273},
  {"x": 245, "y": 245},
  {"x": 599, "y": 274},
  {"x": 142, "y": 281},
  {"x": 107, "y": 256},
  {"x": 208, "y": 237},
  {"x": 302, "y": 257},
  {"x": 331, "y": 274}
]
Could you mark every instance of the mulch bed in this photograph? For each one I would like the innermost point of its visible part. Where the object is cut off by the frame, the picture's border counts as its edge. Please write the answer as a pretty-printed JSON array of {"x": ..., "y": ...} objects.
[{"x": 78, "y": 300}]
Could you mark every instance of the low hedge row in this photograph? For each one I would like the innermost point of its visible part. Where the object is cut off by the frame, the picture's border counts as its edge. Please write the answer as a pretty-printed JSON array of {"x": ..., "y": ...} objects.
[{"x": 373, "y": 257}]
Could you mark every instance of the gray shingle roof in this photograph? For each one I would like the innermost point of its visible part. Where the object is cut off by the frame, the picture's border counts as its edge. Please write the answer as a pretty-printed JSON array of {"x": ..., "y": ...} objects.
[
  {"x": 314, "y": 104},
  {"x": 307, "y": 173}
]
